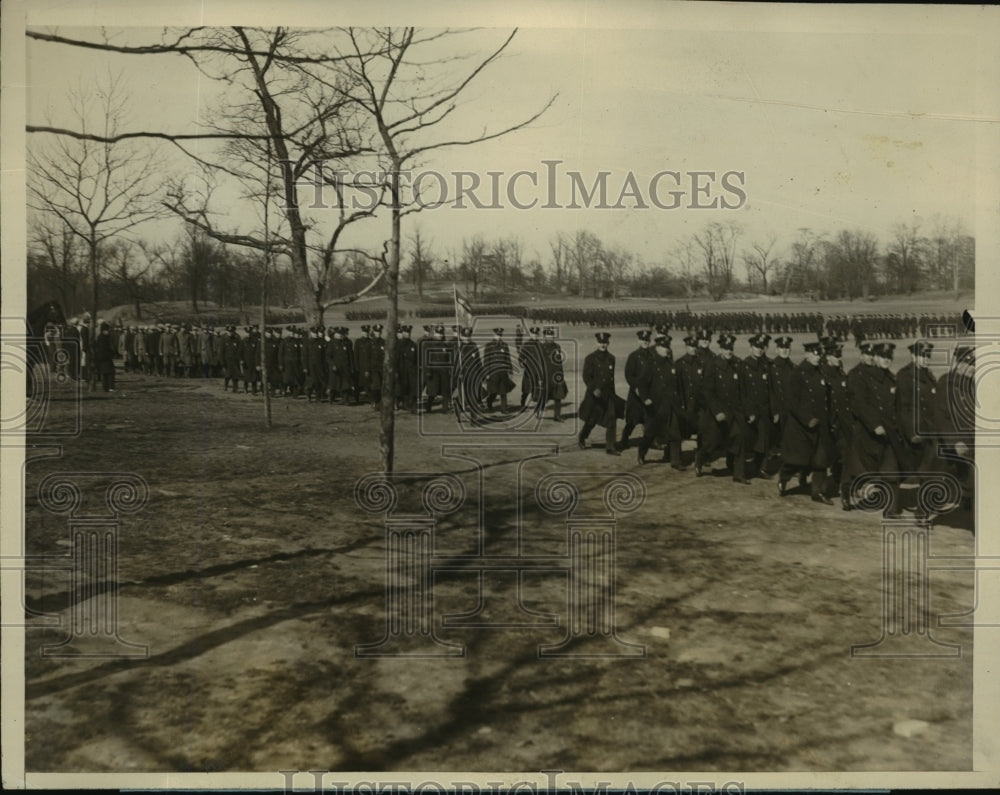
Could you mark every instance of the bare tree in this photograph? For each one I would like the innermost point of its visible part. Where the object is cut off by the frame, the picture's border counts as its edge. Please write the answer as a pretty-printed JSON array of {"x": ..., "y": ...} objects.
[
  {"x": 474, "y": 262},
  {"x": 409, "y": 88},
  {"x": 759, "y": 260},
  {"x": 421, "y": 259},
  {"x": 686, "y": 256},
  {"x": 127, "y": 265},
  {"x": 803, "y": 261},
  {"x": 99, "y": 190},
  {"x": 59, "y": 249},
  {"x": 850, "y": 262},
  {"x": 289, "y": 97},
  {"x": 583, "y": 255},
  {"x": 718, "y": 248},
  {"x": 559, "y": 248}
]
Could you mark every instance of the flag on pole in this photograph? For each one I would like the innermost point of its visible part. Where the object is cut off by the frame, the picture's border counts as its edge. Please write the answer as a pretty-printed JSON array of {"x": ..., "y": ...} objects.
[{"x": 463, "y": 309}]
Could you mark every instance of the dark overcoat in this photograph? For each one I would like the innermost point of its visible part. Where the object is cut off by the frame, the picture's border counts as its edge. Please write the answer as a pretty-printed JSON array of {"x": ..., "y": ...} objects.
[
  {"x": 599, "y": 374},
  {"x": 802, "y": 445}
]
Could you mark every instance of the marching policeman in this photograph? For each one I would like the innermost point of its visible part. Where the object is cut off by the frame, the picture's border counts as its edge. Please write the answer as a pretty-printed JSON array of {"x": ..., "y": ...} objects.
[
  {"x": 553, "y": 385},
  {"x": 757, "y": 403},
  {"x": 499, "y": 368},
  {"x": 600, "y": 403},
  {"x": 838, "y": 417},
  {"x": 723, "y": 419},
  {"x": 657, "y": 388},
  {"x": 635, "y": 411},
  {"x": 407, "y": 378},
  {"x": 529, "y": 357},
  {"x": 875, "y": 437},
  {"x": 437, "y": 359},
  {"x": 916, "y": 392},
  {"x": 804, "y": 445}
]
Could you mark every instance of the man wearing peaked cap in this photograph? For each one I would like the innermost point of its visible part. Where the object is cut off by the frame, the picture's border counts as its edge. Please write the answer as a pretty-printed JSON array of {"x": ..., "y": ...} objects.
[
  {"x": 468, "y": 377},
  {"x": 876, "y": 441},
  {"x": 840, "y": 420},
  {"x": 916, "y": 395},
  {"x": 553, "y": 380},
  {"x": 635, "y": 410},
  {"x": 529, "y": 359},
  {"x": 600, "y": 405},
  {"x": 805, "y": 444},
  {"x": 407, "y": 371},
  {"x": 689, "y": 369},
  {"x": 657, "y": 389},
  {"x": 757, "y": 404},
  {"x": 437, "y": 359},
  {"x": 499, "y": 368},
  {"x": 723, "y": 427}
]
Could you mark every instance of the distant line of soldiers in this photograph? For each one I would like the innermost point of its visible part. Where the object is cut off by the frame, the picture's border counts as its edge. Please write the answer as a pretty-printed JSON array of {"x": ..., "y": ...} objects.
[{"x": 862, "y": 326}]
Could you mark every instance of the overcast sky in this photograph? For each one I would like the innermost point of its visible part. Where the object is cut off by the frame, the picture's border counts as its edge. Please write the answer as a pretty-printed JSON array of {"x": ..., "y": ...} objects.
[{"x": 854, "y": 123}]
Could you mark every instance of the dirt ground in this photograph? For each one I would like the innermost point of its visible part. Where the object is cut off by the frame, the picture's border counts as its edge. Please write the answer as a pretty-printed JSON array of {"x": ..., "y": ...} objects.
[{"x": 252, "y": 575}]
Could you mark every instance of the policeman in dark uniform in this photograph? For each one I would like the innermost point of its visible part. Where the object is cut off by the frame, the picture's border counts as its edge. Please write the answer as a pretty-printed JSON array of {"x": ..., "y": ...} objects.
[
  {"x": 469, "y": 375},
  {"x": 839, "y": 418},
  {"x": 553, "y": 386},
  {"x": 600, "y": 403},
  {"x": 757, "y": 403},
  {"x": 916, "y": 393},
  {"x": 723, "y": 419},
  {"x": 407, "y": 379},
  {"x": 875, "y": 437},
  {"x": 805, "y": 443},
  {"x": 689, "y": 368},
  {"x": 437, "y": 359},
  {"x": 529, "y": 357},
  {"x": 658, "y": 390},
  {"x": 498, "y": 367},
  {"x": 636, "y": 362},
  {"x": 375, "y": 362}
]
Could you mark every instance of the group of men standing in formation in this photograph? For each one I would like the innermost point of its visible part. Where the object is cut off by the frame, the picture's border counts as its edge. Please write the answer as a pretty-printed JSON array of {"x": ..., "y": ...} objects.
[
  {"x": 860, "y": 326},
  {"x": 770, "y": 416},
  {"x": 766, "y": 416}
]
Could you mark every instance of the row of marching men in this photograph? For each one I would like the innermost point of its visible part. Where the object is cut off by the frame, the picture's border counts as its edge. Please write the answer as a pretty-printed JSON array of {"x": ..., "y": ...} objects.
[{"x": 809, "y": 421}]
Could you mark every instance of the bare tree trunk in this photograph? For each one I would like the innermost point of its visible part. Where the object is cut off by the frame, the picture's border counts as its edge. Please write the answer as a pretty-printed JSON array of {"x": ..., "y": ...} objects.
[
  {"x": 387, "y": 436},
  {"x": 263, "y": 342}
]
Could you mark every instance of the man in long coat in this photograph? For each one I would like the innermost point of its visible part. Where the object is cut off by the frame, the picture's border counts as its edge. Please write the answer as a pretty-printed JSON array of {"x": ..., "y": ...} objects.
[
  {"x": 232, "y": 359},
  {"x": 104, "y": 364},
  {"x": 723, "y": 419},
  {"x": 635, "y": 363},
  {"x": 437, "y": 359},
  {"x": 499, "y": 368},
  {"x": 340, "y": 366},
  {"x": 251, "y": 359},
  {"x": 955, "y": 417},
  {"x": 782, "y": 368},
  {"x": 658, "y": 389},
  {"x": 839, "y": 419},
  {"x": 529, "y": 357},
  {"x": 407, "y": 370},
  {"x": 553, "y": 384},
  {"x": 805, "y": 439},
  {"x": 757, "y": 403},
  {"x": 875, "y": 437},
  {"x": 600, "y": 405},
  {"x": 916, "y": 393},
  {"x": 469, "y": 376}
]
